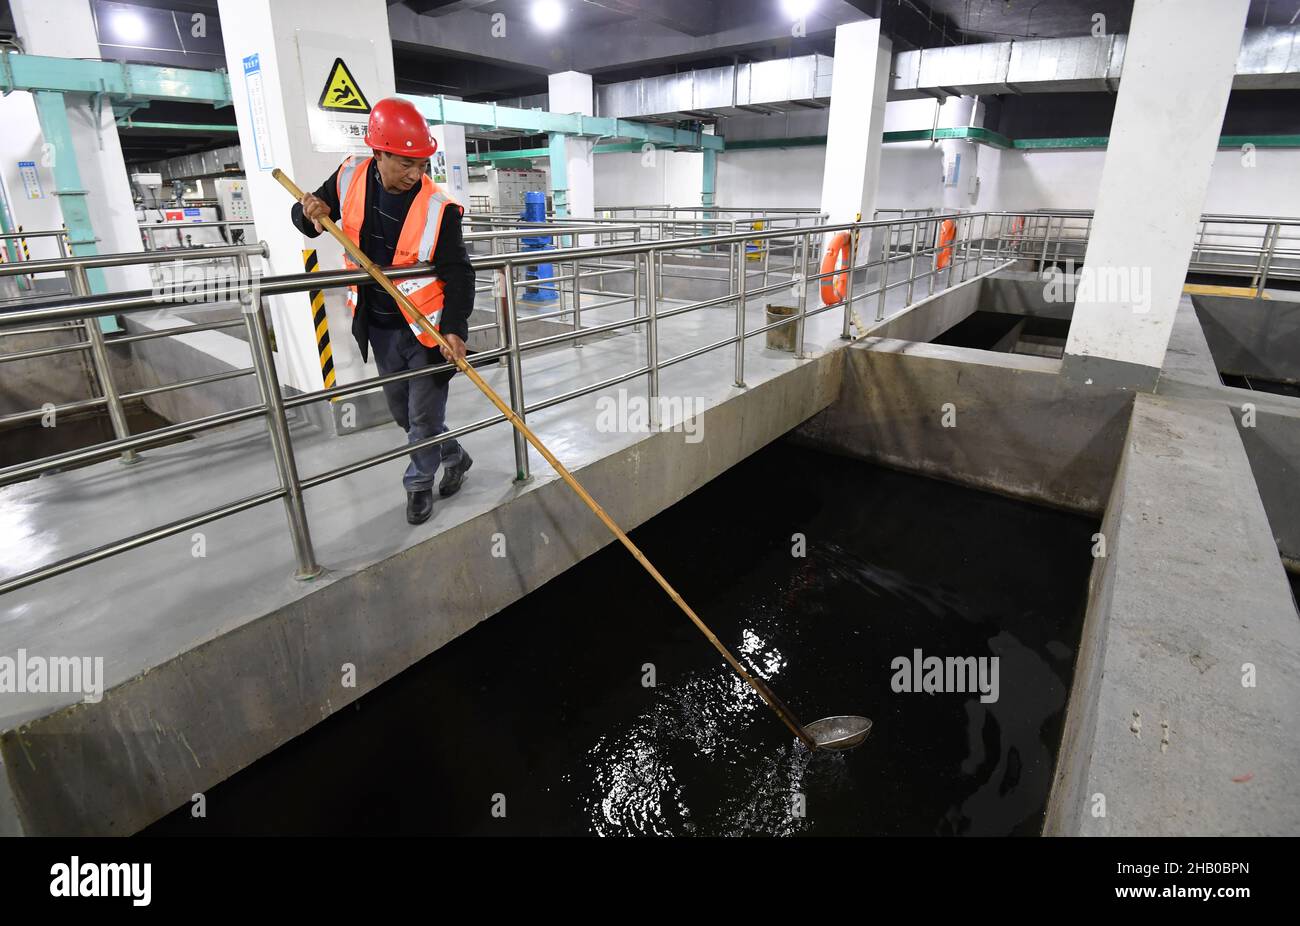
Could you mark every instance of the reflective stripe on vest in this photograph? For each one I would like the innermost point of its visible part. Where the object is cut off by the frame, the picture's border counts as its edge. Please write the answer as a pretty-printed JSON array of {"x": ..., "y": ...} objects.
[{"x": 416, "y": 242}]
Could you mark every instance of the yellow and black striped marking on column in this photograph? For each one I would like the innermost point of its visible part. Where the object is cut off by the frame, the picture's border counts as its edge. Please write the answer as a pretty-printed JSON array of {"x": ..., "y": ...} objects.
[
  {"x": 27, "y": 252},
  {"x": 322, "y": 324}
]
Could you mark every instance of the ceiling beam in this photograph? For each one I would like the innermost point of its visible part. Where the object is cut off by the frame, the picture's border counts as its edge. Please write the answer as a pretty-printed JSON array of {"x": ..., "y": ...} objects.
[
  {"x": 690, "y": 17},
  {"x": 118, "y": 80},
  {"x": 538, "y": 121}
]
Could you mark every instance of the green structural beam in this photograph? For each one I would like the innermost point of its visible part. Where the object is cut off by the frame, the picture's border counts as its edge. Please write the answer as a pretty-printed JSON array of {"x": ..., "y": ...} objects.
[
  {"x": 984, "y": 136},
  {"x": 975, "y": 133},
  {"x": 52, "y": 112},
  {"x": 559, "y": 174},
  {"x": 503, "y": 158},
  {"x": 129, "y": 123},
  {"x": 709, "y": 183},
  {"x": 798, "y": 141},
  {"x": 142, "y": 82},
  {"x": 1260, "y": 141},
  {"x": 490, "y": 116}
]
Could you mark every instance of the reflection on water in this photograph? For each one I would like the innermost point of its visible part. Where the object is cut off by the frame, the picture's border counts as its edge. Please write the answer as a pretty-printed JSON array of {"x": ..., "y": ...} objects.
[{"x": 893, "y": 563}]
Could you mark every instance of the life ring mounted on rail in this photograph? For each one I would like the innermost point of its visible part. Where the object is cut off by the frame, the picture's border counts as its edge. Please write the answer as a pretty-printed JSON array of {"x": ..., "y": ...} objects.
[
  {"x": 835, "y": 288},
  {"x": 947, "y": 233}
]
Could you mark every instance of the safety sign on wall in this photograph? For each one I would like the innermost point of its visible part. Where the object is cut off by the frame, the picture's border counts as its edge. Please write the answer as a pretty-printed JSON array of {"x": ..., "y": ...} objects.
[
  {"x": 31, "y": 180},
  {"x": 341, "y": 93},
  {"x": 340, "y": 78},
  {"x": 257, "y": 111}
]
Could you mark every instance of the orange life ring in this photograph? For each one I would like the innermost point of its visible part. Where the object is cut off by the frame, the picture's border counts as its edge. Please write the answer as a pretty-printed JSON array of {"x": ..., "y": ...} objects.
[
  {"x": 947, "y": 232},
  {"x": 835, "y": 288}
]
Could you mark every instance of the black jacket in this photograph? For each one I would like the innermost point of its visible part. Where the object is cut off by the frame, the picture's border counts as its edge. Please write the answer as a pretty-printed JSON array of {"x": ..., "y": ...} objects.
[{"x": 450, "y": 262}]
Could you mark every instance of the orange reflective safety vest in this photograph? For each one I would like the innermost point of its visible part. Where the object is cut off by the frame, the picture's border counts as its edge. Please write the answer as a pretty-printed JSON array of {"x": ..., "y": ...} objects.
[{"x": 415, "y": 243}]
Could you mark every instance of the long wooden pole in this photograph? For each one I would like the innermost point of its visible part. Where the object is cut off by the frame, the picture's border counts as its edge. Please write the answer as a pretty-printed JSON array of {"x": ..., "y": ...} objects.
[{"x": 768, "y": 696}]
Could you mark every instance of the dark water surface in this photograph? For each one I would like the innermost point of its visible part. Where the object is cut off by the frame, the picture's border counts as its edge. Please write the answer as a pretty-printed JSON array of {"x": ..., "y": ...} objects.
[{"x": 543, "y": 706}]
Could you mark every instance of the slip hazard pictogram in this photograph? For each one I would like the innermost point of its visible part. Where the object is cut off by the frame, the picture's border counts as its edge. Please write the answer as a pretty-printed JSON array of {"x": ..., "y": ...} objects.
[{"x": 342, "y": 93}]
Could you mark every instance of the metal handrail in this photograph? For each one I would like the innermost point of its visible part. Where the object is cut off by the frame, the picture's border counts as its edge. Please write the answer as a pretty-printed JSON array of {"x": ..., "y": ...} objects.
[
  {"x": 129, "y": 258},
  {"x": 646, "y": 258}
]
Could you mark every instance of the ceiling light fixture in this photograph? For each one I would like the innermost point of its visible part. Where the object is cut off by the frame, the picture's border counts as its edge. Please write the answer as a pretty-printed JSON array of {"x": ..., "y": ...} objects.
[
  {"x": 547, "y": 14},
  {"x": 129, "y": 27},
  {"x": 797, "y": 9}
]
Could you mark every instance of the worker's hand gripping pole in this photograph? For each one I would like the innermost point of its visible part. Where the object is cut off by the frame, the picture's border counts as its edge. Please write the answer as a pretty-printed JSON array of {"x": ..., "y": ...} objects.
[{"x": 415, "y": 314}]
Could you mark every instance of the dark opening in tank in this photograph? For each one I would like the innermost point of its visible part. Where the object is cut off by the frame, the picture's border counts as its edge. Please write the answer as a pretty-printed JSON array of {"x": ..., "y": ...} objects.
[{"x": 593, "y": 707}]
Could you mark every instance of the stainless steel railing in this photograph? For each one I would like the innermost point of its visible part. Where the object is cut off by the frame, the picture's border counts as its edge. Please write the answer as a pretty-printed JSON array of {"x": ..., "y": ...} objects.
[
  {"x": 148, "y": 231},
  {"x": 903, "y": 248},
  {"x": 95, "y": 342}
]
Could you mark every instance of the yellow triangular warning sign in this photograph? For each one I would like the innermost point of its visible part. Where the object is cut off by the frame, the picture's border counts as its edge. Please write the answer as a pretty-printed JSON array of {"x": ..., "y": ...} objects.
[{"x": 341, "y": 92}]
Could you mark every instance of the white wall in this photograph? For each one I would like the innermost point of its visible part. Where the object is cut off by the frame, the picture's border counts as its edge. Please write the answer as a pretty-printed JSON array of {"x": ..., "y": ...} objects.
[
  {"x": 1015, "y": 180},
  {"x": 21, "y": 140},
  {"x": 662, "y": 177},
  {"x": 780, "y": 177},
  {"x": 911, "y": 176},
  {"x": 273, "y": 30},
  {"x": 67, "y": 30},
  {"x": 911, "y": 173}
]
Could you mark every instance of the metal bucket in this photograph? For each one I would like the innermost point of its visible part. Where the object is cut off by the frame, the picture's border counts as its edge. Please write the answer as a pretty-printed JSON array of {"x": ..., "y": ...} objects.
[{"x": 781, "y": 338}]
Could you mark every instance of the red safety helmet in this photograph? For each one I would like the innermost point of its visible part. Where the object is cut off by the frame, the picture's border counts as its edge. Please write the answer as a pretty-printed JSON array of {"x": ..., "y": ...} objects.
[{"x": 397, "y": 127}]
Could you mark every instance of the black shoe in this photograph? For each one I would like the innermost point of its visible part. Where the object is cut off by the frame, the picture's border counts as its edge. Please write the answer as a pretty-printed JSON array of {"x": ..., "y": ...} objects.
[
  {"x": 419, "y": 505},
  {"x": 455, "y": 475}
]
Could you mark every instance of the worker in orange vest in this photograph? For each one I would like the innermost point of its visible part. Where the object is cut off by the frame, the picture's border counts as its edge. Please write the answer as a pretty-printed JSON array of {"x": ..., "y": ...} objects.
[{"x": 389, "y": 206}]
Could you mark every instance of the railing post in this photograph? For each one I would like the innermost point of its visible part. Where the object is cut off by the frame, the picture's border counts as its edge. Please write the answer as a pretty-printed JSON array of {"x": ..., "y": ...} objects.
[
  {"x": 636, "y": 275},
  {"x": 1047, "y": 236},
  {"x": 964, "y": 245},
  {"x": 984, "y": 236},
  {"x": 803, "y": 296},
  {"x": 952, "y": 253},
  {"x": 911, "y": 262},
  {"x": 884, "y": 274},
  {"x": 934, "y": 256},
  {"x": 515, "y": 376},
  {"x": 103, "y": 372},
  {"x": 268, "y": 384},
  {"x": 652, "y": 339},
  {"x": 847, "y": 334},
  {"x": 1270, "y": 243},
  {"x": 577, "y": 304},
  {"x": 766, "y": 245},
  {"x": 738, "y": 248}
]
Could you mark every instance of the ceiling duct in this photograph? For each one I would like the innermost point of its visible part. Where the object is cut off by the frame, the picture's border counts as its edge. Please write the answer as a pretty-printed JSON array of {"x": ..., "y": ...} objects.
[{"x": 1269, "y": 59}]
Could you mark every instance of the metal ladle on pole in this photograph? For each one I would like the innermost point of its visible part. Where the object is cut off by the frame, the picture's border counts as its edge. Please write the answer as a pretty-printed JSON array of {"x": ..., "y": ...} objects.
[{"x": 839, "y": 732}]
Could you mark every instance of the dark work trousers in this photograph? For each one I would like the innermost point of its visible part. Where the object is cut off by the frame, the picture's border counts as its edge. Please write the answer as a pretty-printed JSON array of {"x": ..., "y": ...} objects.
[{"x": 419, "y": 406}]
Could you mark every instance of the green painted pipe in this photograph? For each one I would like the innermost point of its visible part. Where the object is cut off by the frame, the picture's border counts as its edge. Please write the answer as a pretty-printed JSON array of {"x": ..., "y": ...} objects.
[{"x": 176, "y": 126}]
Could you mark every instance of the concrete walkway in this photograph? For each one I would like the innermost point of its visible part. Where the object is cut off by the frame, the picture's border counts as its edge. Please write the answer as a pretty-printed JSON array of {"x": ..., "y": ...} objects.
[{"x": 212, "y": 622}]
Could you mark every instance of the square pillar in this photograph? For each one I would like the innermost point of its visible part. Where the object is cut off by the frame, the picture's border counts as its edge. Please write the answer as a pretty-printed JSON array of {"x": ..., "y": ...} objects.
[
  {"x": 1178, "y": 69},
  {"x": 859, "y": 87}
]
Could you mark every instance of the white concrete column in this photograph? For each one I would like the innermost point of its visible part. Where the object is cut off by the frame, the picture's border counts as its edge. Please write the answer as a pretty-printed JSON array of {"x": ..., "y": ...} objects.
[
  {"x": 22, "y": 141},
  {"x": 859, "y": 86},
  {"x": 67, "y": 30},
  {"x": 280, "y": 54},
  {"x": 573, "y": 183},
  {"x": 961, "y": 156},
  {"x": 1178, "y": 69}
]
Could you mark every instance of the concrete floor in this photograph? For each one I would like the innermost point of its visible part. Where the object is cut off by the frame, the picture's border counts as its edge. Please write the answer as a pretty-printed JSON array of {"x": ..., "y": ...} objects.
[
  {"x": 1174, "y": 610},
  {"x": 141, "y": 608}
]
